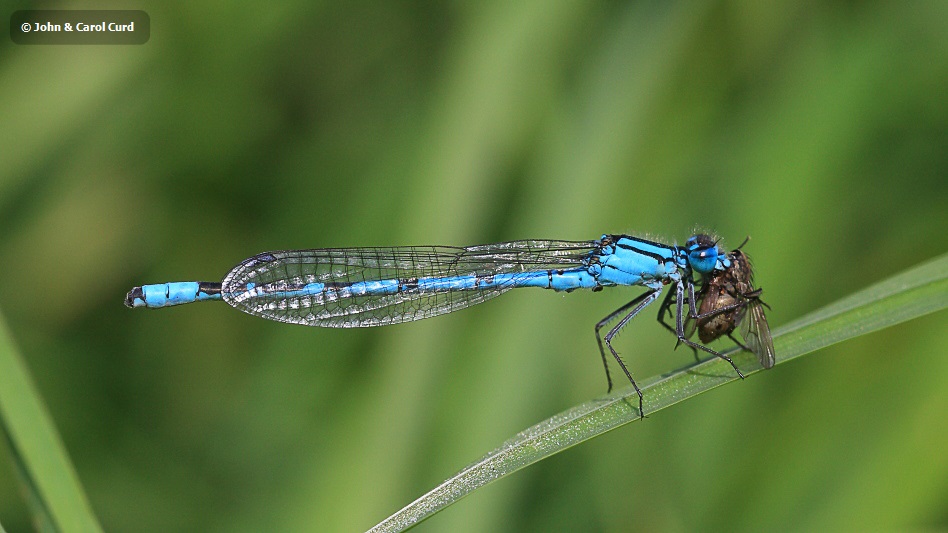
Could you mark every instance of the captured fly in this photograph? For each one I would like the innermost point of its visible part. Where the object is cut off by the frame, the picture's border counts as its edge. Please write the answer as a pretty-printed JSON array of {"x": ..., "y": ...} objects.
[{"x": 728, "y": 300}]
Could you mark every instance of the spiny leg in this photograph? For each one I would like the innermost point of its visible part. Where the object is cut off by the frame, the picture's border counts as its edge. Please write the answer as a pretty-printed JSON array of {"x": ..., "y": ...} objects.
[
  {"x": 681, "y": 332},
  {"x": 643, "y": 302},
  {"x": 603, "y": 322},
  {"x": 719, "y": 310},
  {"x": 692, "y": 301},
  {"x": 665, "y": 309}
]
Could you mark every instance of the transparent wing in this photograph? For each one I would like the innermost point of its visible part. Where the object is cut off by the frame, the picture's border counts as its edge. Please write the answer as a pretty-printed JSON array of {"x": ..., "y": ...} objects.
[
  {"x": 756, "y": 332},
  {"x": 270, "y": 285}
]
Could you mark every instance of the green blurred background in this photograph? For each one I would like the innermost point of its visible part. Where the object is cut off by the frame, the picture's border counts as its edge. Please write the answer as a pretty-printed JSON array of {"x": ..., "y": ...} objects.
[{"x": 820, "y": 129}]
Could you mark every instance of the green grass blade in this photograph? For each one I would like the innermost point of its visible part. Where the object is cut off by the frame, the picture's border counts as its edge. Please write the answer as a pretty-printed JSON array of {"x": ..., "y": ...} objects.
[
  {"x": 53, "y": 490},
  {"x": 916, "y": 292}
]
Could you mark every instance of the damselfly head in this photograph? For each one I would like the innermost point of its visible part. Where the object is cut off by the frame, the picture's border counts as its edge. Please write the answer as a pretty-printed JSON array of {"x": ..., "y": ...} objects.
[{"x": 704, "y": 255}]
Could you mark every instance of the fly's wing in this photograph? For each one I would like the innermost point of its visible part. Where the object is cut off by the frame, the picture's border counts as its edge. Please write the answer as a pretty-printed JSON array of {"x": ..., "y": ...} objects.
[
  {"x": 360, "y": 287},
  {"x": 756, "y": 332}
]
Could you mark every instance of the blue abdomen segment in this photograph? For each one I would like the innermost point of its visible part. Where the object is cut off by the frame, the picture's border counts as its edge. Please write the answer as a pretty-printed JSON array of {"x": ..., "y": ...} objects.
[
  {"x": 176, "y": 293},
  {"x": 558, "y": 280}
]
